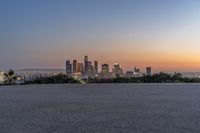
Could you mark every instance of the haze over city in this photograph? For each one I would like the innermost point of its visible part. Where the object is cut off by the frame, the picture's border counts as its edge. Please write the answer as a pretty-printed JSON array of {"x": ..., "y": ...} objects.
[{"x": 157, "y": 33}]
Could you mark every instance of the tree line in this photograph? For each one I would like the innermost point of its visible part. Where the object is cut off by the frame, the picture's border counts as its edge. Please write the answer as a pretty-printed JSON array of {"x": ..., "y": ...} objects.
[
  {"x": 161, "y": 77},
  {"x": 156, "y": 78}
]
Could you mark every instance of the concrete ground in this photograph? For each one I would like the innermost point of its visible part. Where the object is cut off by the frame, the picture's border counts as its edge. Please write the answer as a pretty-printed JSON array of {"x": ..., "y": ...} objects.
[{"x": 100, "y": 108}]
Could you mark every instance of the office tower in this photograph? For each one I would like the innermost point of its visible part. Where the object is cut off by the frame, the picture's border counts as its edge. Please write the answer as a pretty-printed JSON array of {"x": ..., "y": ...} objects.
[
  {"x": 148, "y": 71},
  {"x": 90, "y": 69},
  {"x": 95, "y": 67},
  {"x": 80, "y": 68},
  {"x": 104, "y": 68},
  {"x": 68, "y": 67},
  {"x": 75, "y": 66},
  {"x": 117, "y": 71},
  {"x": 105, "y": 73},
  {"x": 136, "y": 70},
  {"x": 86, "y": 65}
]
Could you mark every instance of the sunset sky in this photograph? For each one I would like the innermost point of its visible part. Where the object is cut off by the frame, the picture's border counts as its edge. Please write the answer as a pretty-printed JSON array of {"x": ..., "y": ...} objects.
[{"x": 164, "y": 34}]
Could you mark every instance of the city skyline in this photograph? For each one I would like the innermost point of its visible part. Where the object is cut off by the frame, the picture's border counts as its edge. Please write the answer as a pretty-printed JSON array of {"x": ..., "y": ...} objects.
[
  {"x": 43, "y": 34},
  {"x": 91, "y": 69}
]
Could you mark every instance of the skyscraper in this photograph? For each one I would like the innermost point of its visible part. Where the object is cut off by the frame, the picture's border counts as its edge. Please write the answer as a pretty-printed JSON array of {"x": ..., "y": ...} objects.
[
  {"x": 105, "y": 73},
  {"x": 86, "y": 65},
  {"x": 95, "y": 67},
  {"x": 117, "y": 70},
  {"x": 148, "y": 71},
  {"x": 104, "y": 68},
  {"x": 75, "y": 65},
  {"x": 80, "y": 68},
  {"x": 136, "y": 70},
  {"x": 90, "y": 69},
  {"x": 68, "y": 67}
]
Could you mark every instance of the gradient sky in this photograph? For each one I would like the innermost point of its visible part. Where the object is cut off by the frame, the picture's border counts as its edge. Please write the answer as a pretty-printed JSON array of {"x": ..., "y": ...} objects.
[{"x": 164, "y": 34}]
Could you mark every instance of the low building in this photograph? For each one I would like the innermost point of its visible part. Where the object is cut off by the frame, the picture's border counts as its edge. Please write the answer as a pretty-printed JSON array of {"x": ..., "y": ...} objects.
[
  {"x": 108, "y": 75},
  {"x": 2, "y": 78},
  {"x": 132, "y": 74},
  {"x": 129, "y": 74},
  {"x": 77, "y": 75}
]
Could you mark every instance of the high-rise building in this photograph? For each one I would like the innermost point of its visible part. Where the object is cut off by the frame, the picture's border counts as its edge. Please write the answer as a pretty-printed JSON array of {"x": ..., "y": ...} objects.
[
  {"x": 105, "y": 73},
  {"x": 90, "y": 69},
  {"x": 148, "y": 71},
  {"x": 75, "y": 65},
  {"x": 117, "y": 70},
  {"x": 136, "y": 70},
  {"x": 68, "y": 67},
  {"x": 95, "y": 67},
  {"x": 80, "y": 68},
  {"x": 86, "y": 64},
  {"x": 104, "y": 68}
]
